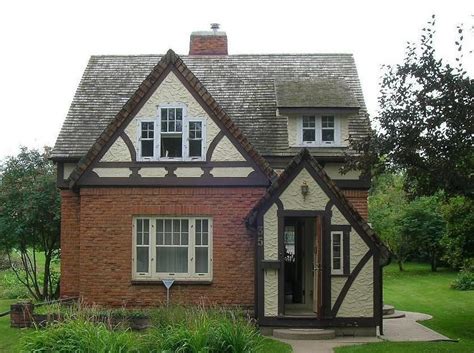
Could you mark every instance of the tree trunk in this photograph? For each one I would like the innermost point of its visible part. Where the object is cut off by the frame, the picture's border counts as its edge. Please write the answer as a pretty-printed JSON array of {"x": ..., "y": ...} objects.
[
  {"x": 434, "y": 262},
  {"x": 400, "y": 265},
  {"x": 47, "y": 275}
]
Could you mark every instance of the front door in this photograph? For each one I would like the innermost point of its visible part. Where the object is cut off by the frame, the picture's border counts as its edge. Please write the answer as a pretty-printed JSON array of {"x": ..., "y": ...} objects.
[{"x": 302, "y": 270}]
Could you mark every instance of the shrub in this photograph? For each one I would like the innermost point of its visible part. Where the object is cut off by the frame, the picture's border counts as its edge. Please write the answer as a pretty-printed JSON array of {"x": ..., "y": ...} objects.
[
  {"x": 10, "y": 287},
  {"x": 464, "y": 281},
  {"x": 80, "y": 336}
]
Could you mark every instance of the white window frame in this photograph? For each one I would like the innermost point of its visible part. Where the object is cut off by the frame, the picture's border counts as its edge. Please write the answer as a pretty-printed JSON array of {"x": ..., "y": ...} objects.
[
  {"x": 184, "y": 134},
  {"x": 318, "y": 132},
  {"x": 339, "y": 271},
  {"x": 139, "y": 139},
  {"x": 191, "y": 275}
]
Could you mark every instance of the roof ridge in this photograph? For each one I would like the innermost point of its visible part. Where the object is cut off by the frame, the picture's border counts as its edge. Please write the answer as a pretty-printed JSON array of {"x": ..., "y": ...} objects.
[{"x": 229, "y": 55}]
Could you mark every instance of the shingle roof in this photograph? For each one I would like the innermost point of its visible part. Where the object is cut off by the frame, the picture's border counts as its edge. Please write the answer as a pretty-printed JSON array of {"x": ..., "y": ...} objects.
[
  {"x": 243, "y": 85},
  {"x": 321, "y": 93}
]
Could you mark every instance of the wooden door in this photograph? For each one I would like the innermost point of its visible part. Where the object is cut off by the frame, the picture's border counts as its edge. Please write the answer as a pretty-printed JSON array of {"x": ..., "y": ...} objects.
[{"x": 317, "y": 278}]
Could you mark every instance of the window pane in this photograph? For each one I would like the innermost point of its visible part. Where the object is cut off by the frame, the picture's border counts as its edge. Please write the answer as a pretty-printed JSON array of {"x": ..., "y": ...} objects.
[
  {"x": 328, "y": 135},
  {"x": 164, "y": 126},
  {"x": 309, "y": 121},
  {"x": 171, "y": 146},
  {"x": 198, "y": 225},
  {"x": 184, "y": 238},
  {"x": 202, "y": 264},
  {"x": 164, "y": 114},
  {"x": 171, "y": 126},
  {"x": 139, "y": 225},
  {"x": 205, "y": 225},
  {"x": 204, "y": 238},
  {"x": 336, "y": 264},
  {"x": 309, "y": 135},
  {"x": 327, "y": 121},
  {"x": 147, "y": 148},
  {"x": 336, "y": 251},
  {"x": 142, "y": 259},
  {"x": 336, "y": 238},
  {"x": 172, "y": 259},
  {"x": 179, "y": 126},
  {"x": 171, "y": 114},
  {"x": 159, "y": 225},
  {"x": 198, "y": 238},
  {"x": 159, "y": 238},
  {"x": 195, "y": 148},
  {"x": 179, "y": 114}
]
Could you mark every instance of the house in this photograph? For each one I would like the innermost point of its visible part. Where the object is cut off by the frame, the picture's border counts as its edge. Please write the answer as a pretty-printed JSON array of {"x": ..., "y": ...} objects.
[{"x": 220, "y": 172}]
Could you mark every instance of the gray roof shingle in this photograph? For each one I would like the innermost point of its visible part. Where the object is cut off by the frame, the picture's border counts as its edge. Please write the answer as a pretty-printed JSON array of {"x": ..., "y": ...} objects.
[{"x": 243, "y": 85}]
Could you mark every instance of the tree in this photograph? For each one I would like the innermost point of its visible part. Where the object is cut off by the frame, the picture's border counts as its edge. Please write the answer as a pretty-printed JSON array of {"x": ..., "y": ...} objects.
[
  {"x": 425, "y": 124},
  {"x": 387, "y": 202},
  {"x": 30, "y": 220},
  {"x": 422, "y": 223},
  {"x": 458, "y": 240}
]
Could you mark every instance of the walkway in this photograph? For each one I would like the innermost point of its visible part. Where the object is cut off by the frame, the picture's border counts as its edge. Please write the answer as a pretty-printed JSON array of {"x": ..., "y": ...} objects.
[{"x": 396, "y": 330}]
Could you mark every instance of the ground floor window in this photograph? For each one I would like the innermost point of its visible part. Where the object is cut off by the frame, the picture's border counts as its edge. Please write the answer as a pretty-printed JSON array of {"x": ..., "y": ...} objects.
[{"x": 172, "y": 247}]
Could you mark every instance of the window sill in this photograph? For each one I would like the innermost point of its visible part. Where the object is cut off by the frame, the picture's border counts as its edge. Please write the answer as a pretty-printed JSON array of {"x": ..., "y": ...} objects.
[
  {"x": 319, "y": 145},
  {"x": 177, "y": 281}
]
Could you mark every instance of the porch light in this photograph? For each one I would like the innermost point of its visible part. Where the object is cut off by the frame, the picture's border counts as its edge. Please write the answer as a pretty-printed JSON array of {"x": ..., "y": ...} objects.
[{"x": 304, "y": 189}]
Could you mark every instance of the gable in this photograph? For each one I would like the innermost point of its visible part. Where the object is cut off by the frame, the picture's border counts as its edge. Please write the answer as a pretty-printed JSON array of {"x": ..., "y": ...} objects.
[
  {"x": 171, "y": 91},
  {"x": 227, "y": 157}
]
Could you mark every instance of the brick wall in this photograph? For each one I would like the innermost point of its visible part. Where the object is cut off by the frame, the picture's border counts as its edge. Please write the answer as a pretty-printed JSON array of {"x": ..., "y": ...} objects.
[
  {"x": 358, "y": 198},
  {"x": 208, "y": 44},
  {"x": 106, "y": 244},
  {"x": 70, "y": 234}
]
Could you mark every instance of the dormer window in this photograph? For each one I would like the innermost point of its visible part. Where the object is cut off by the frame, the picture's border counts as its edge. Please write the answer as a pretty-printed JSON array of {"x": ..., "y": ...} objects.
[
  {"x": 172, "y": 135},
  {"x": 319, "y": 131}
]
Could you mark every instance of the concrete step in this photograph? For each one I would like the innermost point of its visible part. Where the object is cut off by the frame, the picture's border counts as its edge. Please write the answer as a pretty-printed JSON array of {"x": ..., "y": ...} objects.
[
  {"x": 395, "y": 315},
  {"x": 388, "y": 309},
  {"x": 304, "y": 334}
]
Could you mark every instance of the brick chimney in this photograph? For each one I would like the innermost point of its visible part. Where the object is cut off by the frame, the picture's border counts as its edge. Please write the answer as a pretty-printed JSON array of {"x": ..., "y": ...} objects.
[{"x": 212, "y": 42}]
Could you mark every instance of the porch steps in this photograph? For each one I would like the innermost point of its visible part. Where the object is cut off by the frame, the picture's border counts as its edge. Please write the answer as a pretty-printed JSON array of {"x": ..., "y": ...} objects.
[
  {"x": 389, "y": 312},
  {"x": 304, "y": 334}
]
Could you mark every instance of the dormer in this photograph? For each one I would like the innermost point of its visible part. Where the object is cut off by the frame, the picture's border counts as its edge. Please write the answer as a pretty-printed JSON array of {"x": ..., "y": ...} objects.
[{"x": 318, "y": 111}]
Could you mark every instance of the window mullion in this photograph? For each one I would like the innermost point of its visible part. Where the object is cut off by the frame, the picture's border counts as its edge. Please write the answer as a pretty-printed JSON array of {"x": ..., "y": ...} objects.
[{"x": 191, "y": 246}]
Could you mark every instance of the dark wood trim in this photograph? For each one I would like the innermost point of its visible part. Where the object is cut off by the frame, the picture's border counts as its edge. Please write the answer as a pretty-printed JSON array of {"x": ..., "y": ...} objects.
[
  {"x": 352, "y": 184},
  {"x": 271, "y": 264},
  {"x": 91, "y": 179},
  {"x": 281, "y": 258},
  {"x": 60, "y": 182},
  {"x": 350, "y": 281},
  {"x": 259, "y": 272},
  {"x": 322, "y": 110},
  {"x": 346, "y": 246},
  {"x": 131, "y": 148},
  {"x": 177, "y": 164},
  {"x": 303, "y": 322},
  {"x": 378, "y": 292},
  {"x": 279, "y": 204},
  {"x": 298, "y": 213},
  {"x": 213, "y": 144},
  {"x": 326, "y": 255}
]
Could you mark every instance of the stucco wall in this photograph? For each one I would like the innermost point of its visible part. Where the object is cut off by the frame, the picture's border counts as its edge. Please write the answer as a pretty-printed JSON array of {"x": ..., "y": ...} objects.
[
  {"x": 226, "y": 151},
  {"x": 270, "y": 302},
  {"x": 358, "y": 248},
  {"x": 359, "y": 300},
  {"x": 292, "y": 199},
  {"x": 332, "y": 169},
  {"x": 68, "y": 168},
  {"x": 118, "y": 152}
]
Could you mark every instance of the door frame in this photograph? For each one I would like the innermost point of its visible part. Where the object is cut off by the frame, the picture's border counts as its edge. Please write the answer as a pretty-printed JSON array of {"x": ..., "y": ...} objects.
[{"x": 325, "y": 290}]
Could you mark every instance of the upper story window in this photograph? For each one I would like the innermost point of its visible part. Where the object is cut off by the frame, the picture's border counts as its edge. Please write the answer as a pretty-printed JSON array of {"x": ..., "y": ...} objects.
[
  {"x": 319, "y": 130},
  {"x": 172, "y": 135}
]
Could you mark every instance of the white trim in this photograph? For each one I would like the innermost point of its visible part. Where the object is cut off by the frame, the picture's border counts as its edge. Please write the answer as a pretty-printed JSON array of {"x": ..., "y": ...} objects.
[
  {"x": 203, "y": 139},
  {"x": 139, "y": 139},
  {"x": 340, "y": 270},
  {"x": 191, "y": 275}
]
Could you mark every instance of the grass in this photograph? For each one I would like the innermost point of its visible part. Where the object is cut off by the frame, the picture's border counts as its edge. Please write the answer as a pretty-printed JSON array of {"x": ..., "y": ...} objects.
[
  {"x": 9, "y": 337},
  {"x": 418, "y": 289}
]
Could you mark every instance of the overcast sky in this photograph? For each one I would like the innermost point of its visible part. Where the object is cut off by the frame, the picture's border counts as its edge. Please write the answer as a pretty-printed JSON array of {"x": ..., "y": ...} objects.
[{"x": 45, "y": 45}]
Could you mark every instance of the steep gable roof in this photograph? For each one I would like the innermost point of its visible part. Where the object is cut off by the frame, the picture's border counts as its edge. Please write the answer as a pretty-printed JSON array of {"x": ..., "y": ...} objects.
[
  {"x": 243, "y": 85},
  {"x": 304, "y": 159},
  {"x": 171, "y": 61}
]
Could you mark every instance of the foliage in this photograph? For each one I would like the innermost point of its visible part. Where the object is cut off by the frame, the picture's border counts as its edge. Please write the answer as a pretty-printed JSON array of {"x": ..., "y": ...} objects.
[
  {"x": 464, "y": 281},
  {"x": 458, "y": 240},
  {"x": 199, "y": 330},
  {"x": 423, "y": 225},
  {"x": 425, "y": 123},
  {"x": 80, "y": 336},
  {"x": 30, "y": 220},
  {"x": 387, "y": 202},
  {"x": 10, "y": 287}
]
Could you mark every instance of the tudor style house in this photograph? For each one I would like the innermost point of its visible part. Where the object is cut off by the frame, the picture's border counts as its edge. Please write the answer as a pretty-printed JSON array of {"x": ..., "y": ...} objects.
[{"x": 220, "y": 172}]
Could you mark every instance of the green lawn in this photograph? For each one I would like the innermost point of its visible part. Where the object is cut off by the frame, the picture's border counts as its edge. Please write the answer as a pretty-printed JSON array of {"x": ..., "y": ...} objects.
[
  {"x": 8, "y": 337},
  {"x": 420, "y": 290}
]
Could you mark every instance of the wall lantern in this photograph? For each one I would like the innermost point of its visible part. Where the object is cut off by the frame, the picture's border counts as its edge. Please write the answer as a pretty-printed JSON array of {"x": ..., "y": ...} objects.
[{"x": 304, "y": 189}]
